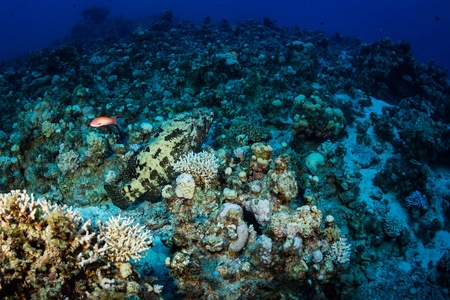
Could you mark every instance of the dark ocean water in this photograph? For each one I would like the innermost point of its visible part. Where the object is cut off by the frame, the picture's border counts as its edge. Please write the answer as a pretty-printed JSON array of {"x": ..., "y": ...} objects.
[{"x": 29, "y": 24}]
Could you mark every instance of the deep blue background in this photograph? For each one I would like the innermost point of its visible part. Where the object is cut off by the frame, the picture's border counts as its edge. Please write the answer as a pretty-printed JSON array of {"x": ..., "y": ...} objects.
[{"x": 31, "y": 24}]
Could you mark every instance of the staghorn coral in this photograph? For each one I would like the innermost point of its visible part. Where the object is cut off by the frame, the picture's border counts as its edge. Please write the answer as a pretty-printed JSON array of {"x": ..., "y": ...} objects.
[{"x": 119, "y": 241}]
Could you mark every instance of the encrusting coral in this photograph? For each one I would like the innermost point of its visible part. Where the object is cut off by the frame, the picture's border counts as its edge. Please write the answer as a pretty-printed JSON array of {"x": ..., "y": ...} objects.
[{"x": 49, "y": 252}]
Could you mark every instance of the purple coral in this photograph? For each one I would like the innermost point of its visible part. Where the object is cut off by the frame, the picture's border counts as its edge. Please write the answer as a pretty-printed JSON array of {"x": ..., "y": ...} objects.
[{"x": 417, "y": 199}]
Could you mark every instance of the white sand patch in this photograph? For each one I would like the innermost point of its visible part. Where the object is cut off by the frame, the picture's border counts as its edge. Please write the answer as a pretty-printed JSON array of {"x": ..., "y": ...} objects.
[
  {"x": 434, "y": 250},
  {"x": 352, "y": 159},
  {"x": 101, "y": 212},
  {"x": 395, "y": 209},
  {"x": 377, "y": 107}
]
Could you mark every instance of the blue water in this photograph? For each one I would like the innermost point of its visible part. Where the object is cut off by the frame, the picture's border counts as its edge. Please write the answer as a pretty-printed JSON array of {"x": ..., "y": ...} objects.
[{"x": 29, "y": 24}]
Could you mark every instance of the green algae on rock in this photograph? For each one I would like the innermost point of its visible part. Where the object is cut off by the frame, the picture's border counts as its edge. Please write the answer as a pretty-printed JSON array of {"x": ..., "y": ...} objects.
[{"x": 149, "y": 170}]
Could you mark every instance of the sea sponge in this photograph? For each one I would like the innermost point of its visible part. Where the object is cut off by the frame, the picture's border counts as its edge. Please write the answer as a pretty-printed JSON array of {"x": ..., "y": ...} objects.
[{"x": 313, "y": 161}]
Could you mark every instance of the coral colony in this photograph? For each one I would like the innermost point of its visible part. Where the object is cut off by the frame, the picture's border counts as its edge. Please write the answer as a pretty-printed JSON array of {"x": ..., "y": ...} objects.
[
  {"x": 417, "y": 199},
  {"x": 246, "y": 161}
]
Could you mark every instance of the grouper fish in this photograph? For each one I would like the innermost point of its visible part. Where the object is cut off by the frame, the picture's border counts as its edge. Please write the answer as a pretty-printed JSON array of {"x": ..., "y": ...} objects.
[{"x": 148, "y": 171}]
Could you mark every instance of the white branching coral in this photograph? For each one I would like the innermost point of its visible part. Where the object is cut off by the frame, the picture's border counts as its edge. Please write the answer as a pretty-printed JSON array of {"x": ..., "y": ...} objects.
[
  {"x": 17, "y": 201},
  {"x": 340, "y": 251},
  {"x": 67, "y": 211},
  {"x": 120, "y": 241},
  {"x": 18, "y": 204},
  {"x": 203, "y": 165},
  {"x": 53, "y": 241}
]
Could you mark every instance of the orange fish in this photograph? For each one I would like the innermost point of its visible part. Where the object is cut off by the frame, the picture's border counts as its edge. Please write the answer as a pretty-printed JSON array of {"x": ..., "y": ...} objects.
[
  {"x": 234, "y": 53},
  {"x": 103, "y": 121}
]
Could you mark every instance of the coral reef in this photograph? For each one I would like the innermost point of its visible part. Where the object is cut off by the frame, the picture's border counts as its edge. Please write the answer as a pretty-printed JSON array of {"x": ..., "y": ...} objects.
[
  {"x": 154, "y": 165},
  {"x": 280, "y": 163},
  {"x": 315, "y": 118},
  {"x": 218, "y": 251},
  {"x": 48, "y": 251}
]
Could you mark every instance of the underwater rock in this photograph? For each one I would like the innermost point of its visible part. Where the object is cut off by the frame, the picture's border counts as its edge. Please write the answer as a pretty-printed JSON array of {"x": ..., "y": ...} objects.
[{"x": 149, "y": 170}]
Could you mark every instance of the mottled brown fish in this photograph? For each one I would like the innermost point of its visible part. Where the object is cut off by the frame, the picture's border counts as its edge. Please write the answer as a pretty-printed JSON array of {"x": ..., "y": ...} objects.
[{"x": 151, "y": 168}]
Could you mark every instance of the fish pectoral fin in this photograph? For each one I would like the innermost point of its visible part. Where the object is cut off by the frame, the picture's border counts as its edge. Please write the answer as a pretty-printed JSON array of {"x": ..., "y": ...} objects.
[{"x": 117, "y": 197}]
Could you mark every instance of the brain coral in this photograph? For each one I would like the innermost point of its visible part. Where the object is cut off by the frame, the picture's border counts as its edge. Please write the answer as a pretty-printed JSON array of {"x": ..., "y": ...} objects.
[
  {"x": 185, "y": 186},
  {"x": 313, "y": 161}
]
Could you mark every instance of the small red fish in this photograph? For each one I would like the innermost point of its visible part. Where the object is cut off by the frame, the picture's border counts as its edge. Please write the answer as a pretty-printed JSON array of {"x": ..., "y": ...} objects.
[
  {"x": 103, "y": 121},
  {"x": 234, "y": 53}
]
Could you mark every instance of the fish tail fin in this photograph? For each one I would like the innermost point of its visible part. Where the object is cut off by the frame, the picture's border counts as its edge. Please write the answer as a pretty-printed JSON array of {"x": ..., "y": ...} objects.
[
  {"x": 117, "y": 197},
  {"x": 113, "y": 120}
]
